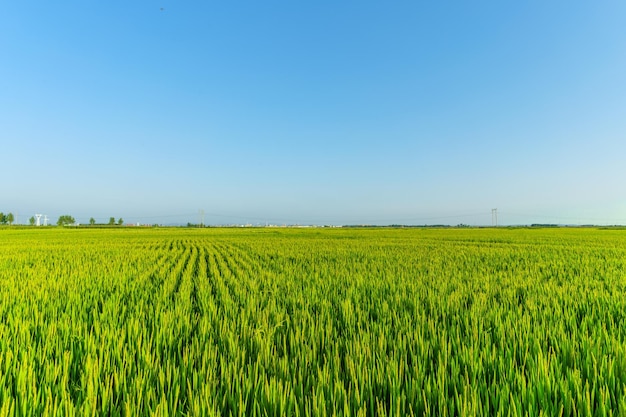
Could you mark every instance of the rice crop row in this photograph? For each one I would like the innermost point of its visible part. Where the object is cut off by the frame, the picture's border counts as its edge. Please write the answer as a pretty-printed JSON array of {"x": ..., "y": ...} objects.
[{"x": 312, "y": 322}]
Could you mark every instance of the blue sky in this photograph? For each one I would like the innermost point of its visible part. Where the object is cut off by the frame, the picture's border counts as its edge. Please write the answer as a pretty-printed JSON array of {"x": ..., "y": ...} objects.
[{"x": 314, "y": 112}]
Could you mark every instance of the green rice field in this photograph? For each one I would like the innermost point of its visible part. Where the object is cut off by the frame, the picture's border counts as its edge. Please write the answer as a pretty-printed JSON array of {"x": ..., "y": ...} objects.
[{"x": 312, "y": 322}]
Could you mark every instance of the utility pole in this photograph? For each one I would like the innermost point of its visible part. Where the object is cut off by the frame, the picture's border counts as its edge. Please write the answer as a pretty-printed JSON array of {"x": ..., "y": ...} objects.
[{"x": 494, "y": 217}]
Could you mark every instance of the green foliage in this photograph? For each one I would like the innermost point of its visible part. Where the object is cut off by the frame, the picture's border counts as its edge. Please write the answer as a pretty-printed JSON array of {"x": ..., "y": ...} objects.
[
  {"x": 112, "y": 221},
  {"x": 31, "y": 221},
  {"x": 8, "y": 218},
  {"x": 92, "y": 221},
  {"x": 313, "y": 322},
  {"x": 65, "y": 220},
  {"x": 120, "y": 221}
]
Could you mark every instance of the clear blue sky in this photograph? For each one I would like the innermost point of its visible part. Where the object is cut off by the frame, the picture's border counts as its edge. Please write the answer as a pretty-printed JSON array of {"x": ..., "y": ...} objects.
[{"x": 314, "y": 112}]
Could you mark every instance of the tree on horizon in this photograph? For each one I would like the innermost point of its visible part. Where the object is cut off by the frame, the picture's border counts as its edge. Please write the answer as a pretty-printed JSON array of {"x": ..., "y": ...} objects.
[{"x": 65, "y": 220}]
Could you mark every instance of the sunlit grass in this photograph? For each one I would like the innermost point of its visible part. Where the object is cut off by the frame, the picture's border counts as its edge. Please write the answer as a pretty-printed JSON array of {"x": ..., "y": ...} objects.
[{"x": 312, "y": 322}]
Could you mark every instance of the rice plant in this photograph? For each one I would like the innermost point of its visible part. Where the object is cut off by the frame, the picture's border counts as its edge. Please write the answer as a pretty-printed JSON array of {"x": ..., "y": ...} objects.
[{"x": 317, "y": 322}]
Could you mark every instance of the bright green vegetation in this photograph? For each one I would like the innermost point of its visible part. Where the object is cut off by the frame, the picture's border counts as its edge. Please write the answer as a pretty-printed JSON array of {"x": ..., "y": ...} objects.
[{"x": 312, "y": 322}]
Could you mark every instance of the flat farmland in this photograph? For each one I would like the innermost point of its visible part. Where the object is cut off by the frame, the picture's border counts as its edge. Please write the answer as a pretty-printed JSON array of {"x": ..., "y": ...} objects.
[{"x": 371, "y": 322}]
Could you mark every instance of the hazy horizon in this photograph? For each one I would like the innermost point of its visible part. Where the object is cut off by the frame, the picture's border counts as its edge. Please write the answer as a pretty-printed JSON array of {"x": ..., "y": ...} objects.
[
  {"x": 477, "y": 219},
  {"x": 292, "y": 113}
]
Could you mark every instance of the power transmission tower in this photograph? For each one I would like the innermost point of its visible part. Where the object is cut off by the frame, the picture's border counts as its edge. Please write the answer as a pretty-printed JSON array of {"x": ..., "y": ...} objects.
[
  {"x": 38, "y": 217},
  {"x": 45, "y": 219},
  {"x": 201, "y": 212},
  {"x": 494, "y": 217}
]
